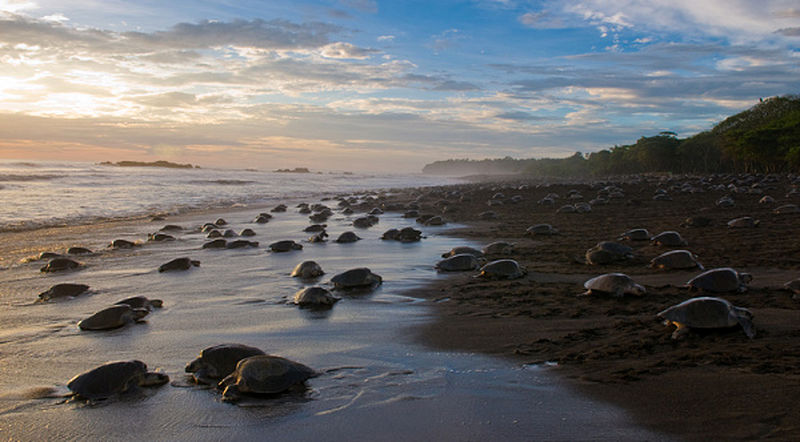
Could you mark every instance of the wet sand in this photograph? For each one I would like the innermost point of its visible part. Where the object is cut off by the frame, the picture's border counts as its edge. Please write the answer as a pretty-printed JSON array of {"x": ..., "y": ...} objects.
[{"x": 710, "y": 385}]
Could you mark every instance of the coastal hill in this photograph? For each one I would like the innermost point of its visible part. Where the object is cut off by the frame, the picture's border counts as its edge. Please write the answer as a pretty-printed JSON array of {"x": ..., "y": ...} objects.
[
  {"x": 764, "y": 139},
  {"x": 295, "y": 170},
  {"x": 160, "y": 163}
]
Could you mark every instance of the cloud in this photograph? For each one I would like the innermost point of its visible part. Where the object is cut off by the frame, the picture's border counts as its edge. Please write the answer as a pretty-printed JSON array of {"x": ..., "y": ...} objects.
[
  {"x": 541, "y": 20},
  {"x": 346, "y": 50},
  {"x": 789, "y": 32},
  {"x": 368, "y": 6}
]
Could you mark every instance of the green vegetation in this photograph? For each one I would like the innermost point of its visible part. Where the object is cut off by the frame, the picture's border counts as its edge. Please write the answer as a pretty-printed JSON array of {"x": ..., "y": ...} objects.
[{"x": 764, "y": 138}]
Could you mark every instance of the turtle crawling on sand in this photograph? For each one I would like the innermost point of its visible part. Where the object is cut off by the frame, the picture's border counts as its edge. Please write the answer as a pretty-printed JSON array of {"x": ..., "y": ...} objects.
[
  {"x": 669, "y": 238},
  {"x": 315, "y": 297},
  {"x": 215, "y": 363},
  {"x": 122, "y": 244},
  {"x": 285, "y": 246},
  {"x": 66, "y": 290},
  {"x": 114, "y": 378},
  {"x": 347, "y": 237},
  {"x": 720, "y": 280},
  {"x": 458, "y": 263},
  {"x": 617, "y": 284},
  {"x": 606, "y": 252},
  {"x": 502, "y": 269},
  {"x": 263, "y": 375},
  {"x": 307, "y": 270},
  {"x": 113, "y": 317},
  {"x": 60, "y": 265},
  {"x": 184, "y": 263},
  {"x": 541, "y": 229},
  {"x": 136, "y": 302},
  {"x": 635, "y": 235},
  {"x": 463, "y": 249},
  {"x": 356, "y": 278},
  {"x": 498, "y": 248},
  {"x": 676, "y": 259},
  {"x": 708, "y": 313}
]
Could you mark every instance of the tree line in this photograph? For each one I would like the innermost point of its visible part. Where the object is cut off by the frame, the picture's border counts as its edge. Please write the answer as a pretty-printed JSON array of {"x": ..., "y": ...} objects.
[{"x": 764, "y": 139}]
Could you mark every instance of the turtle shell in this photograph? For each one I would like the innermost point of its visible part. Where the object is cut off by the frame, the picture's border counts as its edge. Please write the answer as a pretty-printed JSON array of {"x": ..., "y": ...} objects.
[
  {"x": 719, "y": 280},
  {"x": 108, "y": 379},
  {"x": 66, "y": 290},
  {"x": 358, "y": 277},
  {"x": 458, "y": 263},
  {"x": 709, "y": 313},
  {"x": 176, "y": 264},
  {"x": 675, "y": 259},
  {"x": 669, "y": 238},
  {"x": 285, "y": 246},
  {"x": 60, "y": 264},
  {"x": 502, "y": 269},
  {"x": 614, "y": 283},
  {"x": 541, "y": 229},
  {"x": 112, "y": 317},
  {"x": 347, "y": 237},
  {"x": 314, "y": 297},
  {"x": 498, "y": 248},
  {"x": 266, "y": 374},
  {"x": 219, "y": 361},
  {"x": 463, "y": 249},
  {"x": 307, "y": 269}
]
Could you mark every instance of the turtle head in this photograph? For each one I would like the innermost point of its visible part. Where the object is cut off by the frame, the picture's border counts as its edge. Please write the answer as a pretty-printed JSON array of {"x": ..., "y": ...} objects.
[
  {"x": 154, "y": 379},
  {"x": 745, "y": 318},
  {"x": 195, "y": 365},
  {"x": 139, "y": 313},
  {"x": 638, "y": 290},
  {"x": 156, "y": 303},
  {"x": 745, "y": 277}
]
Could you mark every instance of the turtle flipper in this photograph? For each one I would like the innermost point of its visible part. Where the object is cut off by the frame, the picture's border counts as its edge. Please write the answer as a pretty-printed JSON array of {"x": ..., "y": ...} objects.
[
  {"x": 681, "y": 330},
  {"x": 747, "y": 325}
]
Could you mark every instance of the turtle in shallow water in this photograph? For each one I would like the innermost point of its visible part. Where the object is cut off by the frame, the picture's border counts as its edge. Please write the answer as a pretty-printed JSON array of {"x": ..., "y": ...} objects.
[
  {"x": 315, "y": 228},
  {"x": 114, "y": 378},
  {"x": 307, "y": 270},
  {"x": 159, "y": 237},
  {"x": 720, "y": 280},
  {"x": 318, "y": 237},
  {"x": 669, "y": 238},
  {"x": 216, "y": 244},
  {"x": 346, "y": 237},
  {"x": 316, "y": 297},
  {"x": 676, "y": 259},
  {"x": 229, "y": 233},
  {"x": 463, "y": 249},
  {"x": 617, "y": 284},
  {"x": 263, "y": 374},
  {"x": 708, "y": 313},
  {"x": 240, "y": 244},
  {"x": 635, "y": 235},
  {"x": 217, "y": 362},
  {"x": 247, "y": 232},
  {"x": 176, "y": 264},
  {"x": 356, "y": 278},
  {"x": 502, "y": 269},
  {"x": 46, "y": 255},
  {"x": 65, "y": 290},
  {"x": 60, "y": 264},
  {"x": 541, "y": 229},
  {"x": 113, "y": 317},
  {"x": 122, "y": 244},
  {"x": 285, "y": 246},
  {"x": 458, "y": 263},
  {"x": 214, "y": 234},
  {"x": 498, "y": 248},
  {"x": 79, "y": 251},
  {"x": 141, "y": 302}
]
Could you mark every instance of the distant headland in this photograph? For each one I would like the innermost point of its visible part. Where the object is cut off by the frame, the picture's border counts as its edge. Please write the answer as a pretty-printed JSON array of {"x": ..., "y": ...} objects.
[
  {"x": 295, "y": 170},
  {"x": 149, "y": 164}
]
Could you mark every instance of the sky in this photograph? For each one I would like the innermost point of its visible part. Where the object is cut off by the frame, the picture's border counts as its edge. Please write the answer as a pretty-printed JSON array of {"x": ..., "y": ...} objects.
[{"x": 373, "y": 85}]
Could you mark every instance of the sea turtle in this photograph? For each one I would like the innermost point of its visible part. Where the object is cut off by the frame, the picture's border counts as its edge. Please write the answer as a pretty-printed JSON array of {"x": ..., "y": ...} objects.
[
  {"x": 113, "y": 317},
  {"x": 408, "y": 234},
  {"x": 315, "y": 228},
  {"x": 47, "y": 255},
  {"x": 184, "y": 263},
  {"x": 390, "y": 234},
  {"x": 216, "y": 244},
  {"x": 617, "y": 284},
  {"x": 566, "y": 208},
  {"x": 318, "y": 237},
  {"x": 696, "y": 221},
  {"x": 363, "y": 222},
  {"x": 263, "y": 374},
  {"x": 229, "y": 233},
  {"x": 458, "y": 263},
  {"x": 159, "y": 237},
  {"x": 240, "y": 244},
  {"x": 606, "y": 252},
  {"x": 66, "y": 290},
  {"x": 583, "y": 207},
  {"x": 285, "y": 246},
  {"x": 487, "y": 215},
  {"x": 356, "y": 278},
  {"x": 114, "y": 378},
  {"x": 141, "y": 302},
  {"x": 279, "y": 208},
  {"x": 220, "y": 222},
  {"x": 794, "y": 287},
  {"x": 669, "y": 238},
  {"x": 347, "y": 237},
  {"x": 60, "y": 264},
  {"x": 541, "y": 229},
  {"x": 214, "y": 234},
  {"x": 247, "y": 232},
  {"x": 306, "y": 270},
  {"x": 314, "y": 297},
  {"x": 502, "y": 269},
  {"x": 463, "y": 249},
  {"x": 498, "y": 248},
  {"x": 435, "y": 221},
  {"x": 262, "y": 219},
  {"x": 720, "y": 280},
  {"x": 707, "y": 312},
  {"x": 122, "y": 244},
  {"x": 676, "y": 259},
  {"x": 766, "y": 199},
  {"x": 217, "y": 362},
  {"x": 78, "y": 251},
  {"x": 743, "y": 222},
  {"x": 171, "y": 228},
  {"x": 786, "y": 209},
  {"x": 635, "y": 235}
]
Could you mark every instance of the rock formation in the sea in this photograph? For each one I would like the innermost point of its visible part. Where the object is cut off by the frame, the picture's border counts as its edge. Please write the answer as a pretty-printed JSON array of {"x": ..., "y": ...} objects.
[{"x": 159, "y": 163}]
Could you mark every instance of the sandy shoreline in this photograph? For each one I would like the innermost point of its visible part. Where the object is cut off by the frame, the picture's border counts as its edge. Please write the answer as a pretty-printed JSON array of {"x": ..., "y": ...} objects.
[{"x": 713, "y": 385}]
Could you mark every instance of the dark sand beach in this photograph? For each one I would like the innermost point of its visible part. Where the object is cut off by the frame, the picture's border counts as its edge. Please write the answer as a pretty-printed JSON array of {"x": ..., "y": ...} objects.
[{"x": 711, "y": 385}]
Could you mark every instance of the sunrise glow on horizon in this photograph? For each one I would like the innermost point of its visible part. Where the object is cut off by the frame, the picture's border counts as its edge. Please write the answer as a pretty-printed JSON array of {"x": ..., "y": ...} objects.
[{"x": 383, "y": 86}]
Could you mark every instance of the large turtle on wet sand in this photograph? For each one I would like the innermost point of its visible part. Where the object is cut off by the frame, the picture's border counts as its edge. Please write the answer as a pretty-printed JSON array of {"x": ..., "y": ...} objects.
[
  {"x": 315, "y": 297},
  {"x": 463, "y": 249},
  {"x": 498, "y": 248},
  {"x": 136, "y": 302},
  {"x": 347, "y": 237},
  {"x": 617, "y": 284},
  {"x": 66, "y": 290},
  {"x": 263, "y": 375},
  {"x": 285, "y": 246},
  {"x": 60, "y": 265},
  {"x": 356, "y": 278},
  {"x": 606, "y": 252},
  {"x": 114, "y": 378},
  {"x": 217, "y": 362},
  {"x": 502, "y": 269},
  {"x": 113, "y": 317},
  {"x": 307, "y": 270},
  {"x": 707, "y": 313},
  {"x": 184, "y": 263},
  {"x": 635, "y": 235},
  {"x": 458, "y": 263},
  {"x": 669, "y": 238},
  {"x": 720, "y": 280}
]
